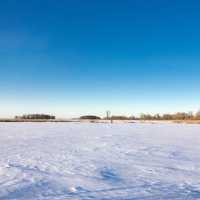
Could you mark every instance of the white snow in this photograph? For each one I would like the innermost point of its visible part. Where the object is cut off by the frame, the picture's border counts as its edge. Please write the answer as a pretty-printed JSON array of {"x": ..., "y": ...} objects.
[{"x": 60, "y": 161}]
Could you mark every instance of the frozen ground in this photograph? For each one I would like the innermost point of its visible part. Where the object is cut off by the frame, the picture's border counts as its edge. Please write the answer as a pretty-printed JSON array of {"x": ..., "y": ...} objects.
[{"x": 58, "y": 161}]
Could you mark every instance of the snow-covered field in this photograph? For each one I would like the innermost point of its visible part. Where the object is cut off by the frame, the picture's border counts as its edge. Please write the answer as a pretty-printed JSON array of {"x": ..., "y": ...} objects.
[{"x": 58, "y": 161}]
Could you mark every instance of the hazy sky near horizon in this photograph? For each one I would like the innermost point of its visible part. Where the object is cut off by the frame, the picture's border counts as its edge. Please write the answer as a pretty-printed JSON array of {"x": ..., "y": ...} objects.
[{"x": 84, "y": 57}]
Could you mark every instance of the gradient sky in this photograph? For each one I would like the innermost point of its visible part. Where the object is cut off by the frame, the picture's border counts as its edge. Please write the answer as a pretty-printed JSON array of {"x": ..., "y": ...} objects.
[{"x": 72, "y": 57}]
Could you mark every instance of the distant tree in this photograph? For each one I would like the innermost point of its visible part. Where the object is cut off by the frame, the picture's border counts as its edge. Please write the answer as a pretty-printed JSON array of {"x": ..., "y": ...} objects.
[
  {"x": 132, "y": 117},
  {"x": 167, "y": 117},
  {"x": 142, "y": 116},
  {"x": 118, "y": 117},
  {"x": 157, "y": 117},
  {"x": 146, "y": 117},
  {"x": 180, "y": 116},
  {"x": 190, "y": 115},
  {"x": 197, "y": 116}
]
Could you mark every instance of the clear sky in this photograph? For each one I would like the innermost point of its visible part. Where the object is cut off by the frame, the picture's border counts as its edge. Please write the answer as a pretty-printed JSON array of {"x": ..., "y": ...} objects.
[{"x": 72, "y": 57}]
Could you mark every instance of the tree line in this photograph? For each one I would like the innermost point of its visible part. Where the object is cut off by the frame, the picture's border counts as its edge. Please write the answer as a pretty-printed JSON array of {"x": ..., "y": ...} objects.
[
  {"x": 175, "y": 116},
  {"x": 35, "y": 116}
]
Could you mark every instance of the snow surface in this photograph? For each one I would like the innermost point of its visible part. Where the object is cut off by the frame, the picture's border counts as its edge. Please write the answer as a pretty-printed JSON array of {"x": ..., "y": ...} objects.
[{"x": 58, "y": 161}]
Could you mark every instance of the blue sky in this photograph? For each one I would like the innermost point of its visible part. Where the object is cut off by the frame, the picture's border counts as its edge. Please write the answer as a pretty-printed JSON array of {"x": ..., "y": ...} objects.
[{"x": 80, "y": 57}]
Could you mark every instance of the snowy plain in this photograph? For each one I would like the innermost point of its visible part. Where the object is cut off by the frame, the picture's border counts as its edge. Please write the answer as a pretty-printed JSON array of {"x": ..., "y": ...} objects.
[{"x": 58, "y": 161}]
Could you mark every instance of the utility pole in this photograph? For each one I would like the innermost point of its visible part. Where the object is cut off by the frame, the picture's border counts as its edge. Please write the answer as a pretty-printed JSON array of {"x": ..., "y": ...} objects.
[{"x": 108, "y": 116}]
